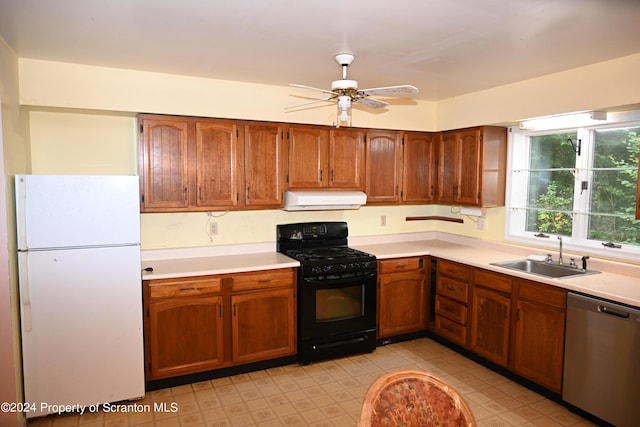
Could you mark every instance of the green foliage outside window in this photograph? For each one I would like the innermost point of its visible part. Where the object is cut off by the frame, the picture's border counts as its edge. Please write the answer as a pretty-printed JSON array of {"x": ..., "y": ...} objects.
[
  {"x": 613, "y": 182},
  {"x": 551, "y": 184}
]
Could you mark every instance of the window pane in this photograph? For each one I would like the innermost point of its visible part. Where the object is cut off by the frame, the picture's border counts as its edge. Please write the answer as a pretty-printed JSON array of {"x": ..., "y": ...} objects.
[
  {"x": 550, "y": 201},
  {"x": 553, "y": 151},
  {"x": 551, "y": 184},
  {"x": 614, "y": 229},
  {"x": 614, "y": 182}
]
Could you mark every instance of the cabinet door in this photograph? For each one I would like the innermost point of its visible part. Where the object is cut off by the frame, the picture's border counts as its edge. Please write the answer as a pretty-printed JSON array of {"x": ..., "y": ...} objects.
[
  {"x": 468, "y": 164},
  {"x": 402, "y": 303},
  {"x": 418, "y": 183},
  {"x": 265, "y": 155},
  {"x": 263, "y": 325},
  {"x": 219, "y": 165},
  {"x": 185, "y": 336},
  {"x": 490, "y": 318},
  {"x": 164, "y": 166},
  {"x": 383, "y": 170},
  {"x": 538, "y": 339},
  {"x": 447, "y": 167},
  {"x": 308, "y": 157},
  {"x": 346, "y": 159}
]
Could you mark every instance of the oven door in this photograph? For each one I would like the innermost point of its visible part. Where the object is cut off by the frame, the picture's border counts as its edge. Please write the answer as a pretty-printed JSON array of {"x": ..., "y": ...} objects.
[{"x": 336, "y": 307}]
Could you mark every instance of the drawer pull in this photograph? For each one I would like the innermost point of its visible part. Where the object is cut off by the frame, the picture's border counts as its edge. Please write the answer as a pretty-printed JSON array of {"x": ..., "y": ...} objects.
[
  {"x": 187, "y": 289},
  {"x": 264, "y": 280},
  {"x": 401, "y": 265},
  {"x": 451, "y": 288}
]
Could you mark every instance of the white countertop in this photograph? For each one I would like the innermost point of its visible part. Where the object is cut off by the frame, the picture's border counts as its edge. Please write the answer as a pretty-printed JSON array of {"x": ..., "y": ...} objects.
[
  {"x": 218, "y": 264},
  {"x": 618, "y": 282}
]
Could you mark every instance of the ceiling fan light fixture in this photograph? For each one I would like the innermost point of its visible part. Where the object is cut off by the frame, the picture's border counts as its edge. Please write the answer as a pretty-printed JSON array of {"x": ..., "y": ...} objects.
[
  {"x": 344, "y": 105},
  {"x": 344, "y": 116}
]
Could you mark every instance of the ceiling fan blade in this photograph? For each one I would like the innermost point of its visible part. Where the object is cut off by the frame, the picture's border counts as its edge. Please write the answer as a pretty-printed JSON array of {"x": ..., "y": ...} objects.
[
  {"x": 313, "y": 88},
  {"x": 390, "y": 90},
  {"x": 309, "y": 103},
  {"x": 371, "y": 102}
]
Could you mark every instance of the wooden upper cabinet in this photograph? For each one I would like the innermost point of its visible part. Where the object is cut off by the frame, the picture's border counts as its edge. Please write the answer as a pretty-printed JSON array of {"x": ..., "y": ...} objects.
[
  {"x": 319, "y": 158},
  {"x": 384, "y": 166},
  {"x": 346, "y": 159},
  {"x": 219, "y": 164},
  {"x": 469, "y": 157},
  {"x": 472, "y": 166},
  {"x": 164, "y": 164},
  {"x": 447, "y": 167},
  {"x": 308, "y": 157},
  {"x": 418, "y": 167},
  {"x": 265, "y": 157}
]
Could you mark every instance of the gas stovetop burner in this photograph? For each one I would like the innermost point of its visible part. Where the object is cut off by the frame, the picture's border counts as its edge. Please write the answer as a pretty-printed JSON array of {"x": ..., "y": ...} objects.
[{"x": 326, "y": 254}]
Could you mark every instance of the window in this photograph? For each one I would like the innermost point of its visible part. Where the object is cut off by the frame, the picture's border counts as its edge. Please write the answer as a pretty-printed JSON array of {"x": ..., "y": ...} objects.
[{"x": 576, "y": 183}]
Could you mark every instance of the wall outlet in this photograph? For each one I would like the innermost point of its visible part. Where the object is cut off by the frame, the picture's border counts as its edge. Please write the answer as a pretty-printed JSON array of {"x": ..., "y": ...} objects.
[
  {"x": 213, "y": 228},
  {"x": 383, "y": 220}
]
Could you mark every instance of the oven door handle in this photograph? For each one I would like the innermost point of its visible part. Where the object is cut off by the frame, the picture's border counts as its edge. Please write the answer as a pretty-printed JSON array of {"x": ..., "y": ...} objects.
[{"x": 339, "y": 280}]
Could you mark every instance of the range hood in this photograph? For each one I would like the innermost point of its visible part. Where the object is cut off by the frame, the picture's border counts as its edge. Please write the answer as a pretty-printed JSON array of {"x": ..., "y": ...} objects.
[{"x": 323, "y": 200}]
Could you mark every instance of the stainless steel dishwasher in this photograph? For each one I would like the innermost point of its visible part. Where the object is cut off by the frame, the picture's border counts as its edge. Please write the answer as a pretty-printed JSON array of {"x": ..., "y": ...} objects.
[{"x": 602, "y": 359}]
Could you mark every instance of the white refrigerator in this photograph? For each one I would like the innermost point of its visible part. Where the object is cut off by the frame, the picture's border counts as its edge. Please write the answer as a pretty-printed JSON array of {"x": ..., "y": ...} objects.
[{"x": 80, "y": 289}]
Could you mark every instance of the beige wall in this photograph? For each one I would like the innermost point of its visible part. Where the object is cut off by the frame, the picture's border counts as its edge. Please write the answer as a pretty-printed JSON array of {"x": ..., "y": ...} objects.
[
  {"x": 64, "y": 142},
  {"x": 55, "y": 84},
  {"x": 594, "y": 87},
  {"x": 82, "y": 120},
  {"x": 13, "y": 134}
]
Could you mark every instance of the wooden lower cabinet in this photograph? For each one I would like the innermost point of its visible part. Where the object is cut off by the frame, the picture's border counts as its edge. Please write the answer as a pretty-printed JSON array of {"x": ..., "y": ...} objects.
[
  {"x": 203, "y": 323},
  {"x": 538, "y": 336},
  {"x": 183, "y": 326},
  {"x": 452, "y": 296},
  {"x": 516, "y": 323},
  {"x": 490, "y": 319},
  {"x": 262, "y": 327},
  {"x": 403, "y": 292}
]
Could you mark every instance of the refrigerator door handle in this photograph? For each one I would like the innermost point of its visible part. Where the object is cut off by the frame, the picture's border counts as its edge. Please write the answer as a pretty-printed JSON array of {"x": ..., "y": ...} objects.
[{"x": 25, "y": 296}]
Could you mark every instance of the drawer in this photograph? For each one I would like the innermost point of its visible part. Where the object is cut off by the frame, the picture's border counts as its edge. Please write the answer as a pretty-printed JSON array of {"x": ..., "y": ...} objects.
[
  {"x": 543, "y": 294},
  {"x": 452, "y": 289},
  {"x": 452, "y": 269},
  {"x": 400, "y": 264},
  {"x": 259, "y": 280},
  {"x": 491, "y": 280},
  {"x": 451, "y": 330},
  {"x": 452, "y": 310},
  {"x": 184, "y": 287}
]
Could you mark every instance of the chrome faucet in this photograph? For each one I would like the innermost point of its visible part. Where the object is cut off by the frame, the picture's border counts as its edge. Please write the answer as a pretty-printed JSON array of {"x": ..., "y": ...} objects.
[{"x": 560, "y": 256}]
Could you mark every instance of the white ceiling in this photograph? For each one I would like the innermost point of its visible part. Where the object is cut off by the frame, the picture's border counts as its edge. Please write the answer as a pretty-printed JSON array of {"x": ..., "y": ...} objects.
[{"x": 444, "y": 47}]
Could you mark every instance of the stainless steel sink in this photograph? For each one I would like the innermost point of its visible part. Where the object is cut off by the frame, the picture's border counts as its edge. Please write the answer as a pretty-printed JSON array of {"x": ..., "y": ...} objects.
[{"x": 545, "y": 269}]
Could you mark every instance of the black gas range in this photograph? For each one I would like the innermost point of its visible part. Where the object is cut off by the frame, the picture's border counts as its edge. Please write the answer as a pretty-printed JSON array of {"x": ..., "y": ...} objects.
[{"x": 336, "y": 290}]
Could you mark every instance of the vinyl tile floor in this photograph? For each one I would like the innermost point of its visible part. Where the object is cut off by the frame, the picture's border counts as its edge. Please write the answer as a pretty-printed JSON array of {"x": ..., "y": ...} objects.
[{"x": 327, "y": 393}]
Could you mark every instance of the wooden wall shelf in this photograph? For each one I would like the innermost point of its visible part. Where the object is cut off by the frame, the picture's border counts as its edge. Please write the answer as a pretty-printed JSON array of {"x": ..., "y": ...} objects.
[{"x": 431, "y": 218}]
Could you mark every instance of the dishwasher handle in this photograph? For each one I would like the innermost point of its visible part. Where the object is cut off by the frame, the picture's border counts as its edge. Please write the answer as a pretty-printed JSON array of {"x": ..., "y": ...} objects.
[{"x": 613, "y": 312}]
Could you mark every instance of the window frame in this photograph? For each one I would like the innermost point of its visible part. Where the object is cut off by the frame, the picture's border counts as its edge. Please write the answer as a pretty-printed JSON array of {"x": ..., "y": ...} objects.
[{"x": 515, "y": 199}]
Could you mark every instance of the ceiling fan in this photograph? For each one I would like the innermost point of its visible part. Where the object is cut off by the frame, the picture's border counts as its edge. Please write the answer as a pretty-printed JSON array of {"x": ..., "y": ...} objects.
[{"x": 346, "y": 91}]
